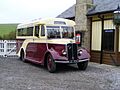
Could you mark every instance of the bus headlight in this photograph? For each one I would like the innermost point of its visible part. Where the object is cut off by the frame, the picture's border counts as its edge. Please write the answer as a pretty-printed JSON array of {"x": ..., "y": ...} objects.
[
  {"x": 80, "y": 52},
  {"x": 64, "y": 52}
]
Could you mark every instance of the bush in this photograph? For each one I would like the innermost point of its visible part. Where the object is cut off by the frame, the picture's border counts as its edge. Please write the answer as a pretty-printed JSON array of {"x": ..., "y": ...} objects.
[
  {"x": 1, "y": 38},
  {"x": 10, "y": 36}
]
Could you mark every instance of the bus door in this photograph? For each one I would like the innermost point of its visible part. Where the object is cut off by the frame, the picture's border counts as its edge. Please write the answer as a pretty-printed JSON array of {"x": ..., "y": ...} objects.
[
  {"x": 40, "y": 43},
  {"x": 31, "y": 48}
]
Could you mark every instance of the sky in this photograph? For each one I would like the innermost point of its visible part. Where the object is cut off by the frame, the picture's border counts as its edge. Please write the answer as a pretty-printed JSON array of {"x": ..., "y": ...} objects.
[{"x": 18, "y": 11}]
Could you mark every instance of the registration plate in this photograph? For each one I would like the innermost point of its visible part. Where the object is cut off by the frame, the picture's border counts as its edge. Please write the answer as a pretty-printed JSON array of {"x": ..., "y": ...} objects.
[{"x": 73, "y": 61}]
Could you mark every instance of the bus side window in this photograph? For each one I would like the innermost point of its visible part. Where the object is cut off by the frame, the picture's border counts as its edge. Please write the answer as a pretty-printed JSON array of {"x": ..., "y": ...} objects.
[
  {"x": 42, "y": 30},
  {"x": 19, "y": 33},
  {"x": 37, "y": 31},
  {"x": 29, "y": 31}
]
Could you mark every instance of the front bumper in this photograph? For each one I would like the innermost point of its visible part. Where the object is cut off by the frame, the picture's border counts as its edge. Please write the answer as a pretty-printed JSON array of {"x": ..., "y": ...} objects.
[{"x": 71, "y": 61}]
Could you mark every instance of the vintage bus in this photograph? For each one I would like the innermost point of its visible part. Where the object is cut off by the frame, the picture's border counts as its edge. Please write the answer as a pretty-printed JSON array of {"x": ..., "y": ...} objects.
[{"x": 49, "y": 42}]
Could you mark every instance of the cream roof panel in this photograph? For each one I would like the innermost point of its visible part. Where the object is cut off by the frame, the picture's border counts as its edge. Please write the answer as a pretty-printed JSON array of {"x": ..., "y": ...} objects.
[{"x": 46, "y": 21}]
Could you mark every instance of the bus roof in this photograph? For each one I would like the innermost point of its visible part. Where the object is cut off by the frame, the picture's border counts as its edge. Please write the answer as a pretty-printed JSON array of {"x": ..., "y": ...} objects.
[{"x": 47, "y": 21}]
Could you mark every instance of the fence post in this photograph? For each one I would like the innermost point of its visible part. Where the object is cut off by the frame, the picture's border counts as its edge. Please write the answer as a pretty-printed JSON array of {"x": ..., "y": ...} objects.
[{"x": 5, "y": 48}]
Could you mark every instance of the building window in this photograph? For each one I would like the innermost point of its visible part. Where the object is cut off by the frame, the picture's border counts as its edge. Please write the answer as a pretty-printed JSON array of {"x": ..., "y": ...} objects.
[{"x": 108, "y": 39}]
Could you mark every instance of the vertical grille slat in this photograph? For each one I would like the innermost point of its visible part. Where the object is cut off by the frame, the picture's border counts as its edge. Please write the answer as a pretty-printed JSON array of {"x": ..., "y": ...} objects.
[
  {"x": 69, "y": 48},
  {"x": 75, "y": 51},
  {"x": 72, "y": 51}
]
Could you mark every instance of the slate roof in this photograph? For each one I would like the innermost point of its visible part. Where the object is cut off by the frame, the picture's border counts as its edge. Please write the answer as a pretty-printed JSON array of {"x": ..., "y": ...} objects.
[
  {"x": 69, "y": 13},
  {"x": 100, "y": 6}
]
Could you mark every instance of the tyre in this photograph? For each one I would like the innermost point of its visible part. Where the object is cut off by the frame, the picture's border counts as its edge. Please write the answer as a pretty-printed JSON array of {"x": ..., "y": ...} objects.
[
  {"x": 22, "y": 56},
  {"x": 51, "y": 65},
  {"x": 82, "y": 65}
]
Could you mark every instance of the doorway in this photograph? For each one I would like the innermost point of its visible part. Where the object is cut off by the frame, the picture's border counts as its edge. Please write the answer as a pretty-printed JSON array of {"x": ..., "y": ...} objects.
[{"x": 108, "y": 40}]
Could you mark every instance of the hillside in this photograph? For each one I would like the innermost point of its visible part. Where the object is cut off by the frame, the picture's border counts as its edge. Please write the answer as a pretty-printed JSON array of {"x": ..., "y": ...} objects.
[
  {"x": 8, "y": 31},
  {"x": 7, "y": 28}
]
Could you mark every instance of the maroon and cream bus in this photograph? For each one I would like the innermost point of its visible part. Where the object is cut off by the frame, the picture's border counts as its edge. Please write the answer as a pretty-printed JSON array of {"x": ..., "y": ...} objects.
[{"x": 50, "y": 41}]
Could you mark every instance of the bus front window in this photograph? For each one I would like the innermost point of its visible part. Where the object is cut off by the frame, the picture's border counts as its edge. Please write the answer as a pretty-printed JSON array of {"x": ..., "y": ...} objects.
[
  {"x": 68, "y": 32},
  {"x": 53, "y": 31}
]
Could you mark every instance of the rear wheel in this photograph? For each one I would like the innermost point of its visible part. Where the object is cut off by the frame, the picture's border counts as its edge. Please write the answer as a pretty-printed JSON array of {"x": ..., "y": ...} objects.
[
  {"x": 82, "y": 65},
  {"x": 22, "y": 56},
  {"x": 51, "y": 65}
]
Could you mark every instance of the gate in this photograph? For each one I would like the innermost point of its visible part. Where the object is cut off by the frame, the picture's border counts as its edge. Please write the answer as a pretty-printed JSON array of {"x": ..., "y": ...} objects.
[{"x": 7, "y": 48}]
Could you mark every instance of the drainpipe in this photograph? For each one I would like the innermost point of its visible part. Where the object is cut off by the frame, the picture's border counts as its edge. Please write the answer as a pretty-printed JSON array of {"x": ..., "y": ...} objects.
[
  {"x": 117, "y": 42},
  {"x": 102, "y": 37}
]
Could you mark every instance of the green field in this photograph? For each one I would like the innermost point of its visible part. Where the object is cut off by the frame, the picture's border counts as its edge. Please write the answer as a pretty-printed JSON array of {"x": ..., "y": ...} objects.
[{"x": 7, "y": 28}]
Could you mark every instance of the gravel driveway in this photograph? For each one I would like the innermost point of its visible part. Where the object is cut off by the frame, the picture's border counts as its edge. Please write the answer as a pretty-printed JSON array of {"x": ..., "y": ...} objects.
[{"x": 16, "y": 75}]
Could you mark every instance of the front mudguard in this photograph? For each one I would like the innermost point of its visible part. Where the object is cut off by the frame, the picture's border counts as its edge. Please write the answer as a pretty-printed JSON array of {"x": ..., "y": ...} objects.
[
  {"x": 56, "y": 55},
  {"x": 84, "y": 55}
]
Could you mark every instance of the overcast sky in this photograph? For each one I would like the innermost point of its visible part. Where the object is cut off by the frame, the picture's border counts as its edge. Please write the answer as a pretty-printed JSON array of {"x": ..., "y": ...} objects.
[{"x": 18, "y": 11}]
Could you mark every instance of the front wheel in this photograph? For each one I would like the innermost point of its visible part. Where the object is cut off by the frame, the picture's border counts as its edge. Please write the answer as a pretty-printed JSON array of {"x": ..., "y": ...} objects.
[
  {"x": 82, "y": 65},
  {"x": 51, "y": 65}
]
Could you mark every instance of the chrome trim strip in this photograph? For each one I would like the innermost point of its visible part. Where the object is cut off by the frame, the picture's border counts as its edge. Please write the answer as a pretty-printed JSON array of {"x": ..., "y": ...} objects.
[
  {"x": 61, "y": 61},
  {"x": 72, "y": 62},
  {"x": 84, "y": 60}
]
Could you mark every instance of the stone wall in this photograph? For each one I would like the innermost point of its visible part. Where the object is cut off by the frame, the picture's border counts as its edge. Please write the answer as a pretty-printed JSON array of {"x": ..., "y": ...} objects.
[{"x": 82, "y": 22}]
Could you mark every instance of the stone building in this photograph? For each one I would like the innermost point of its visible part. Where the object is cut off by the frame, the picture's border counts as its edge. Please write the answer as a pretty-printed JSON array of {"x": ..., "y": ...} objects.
[{"x": 94, "y": 19}]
